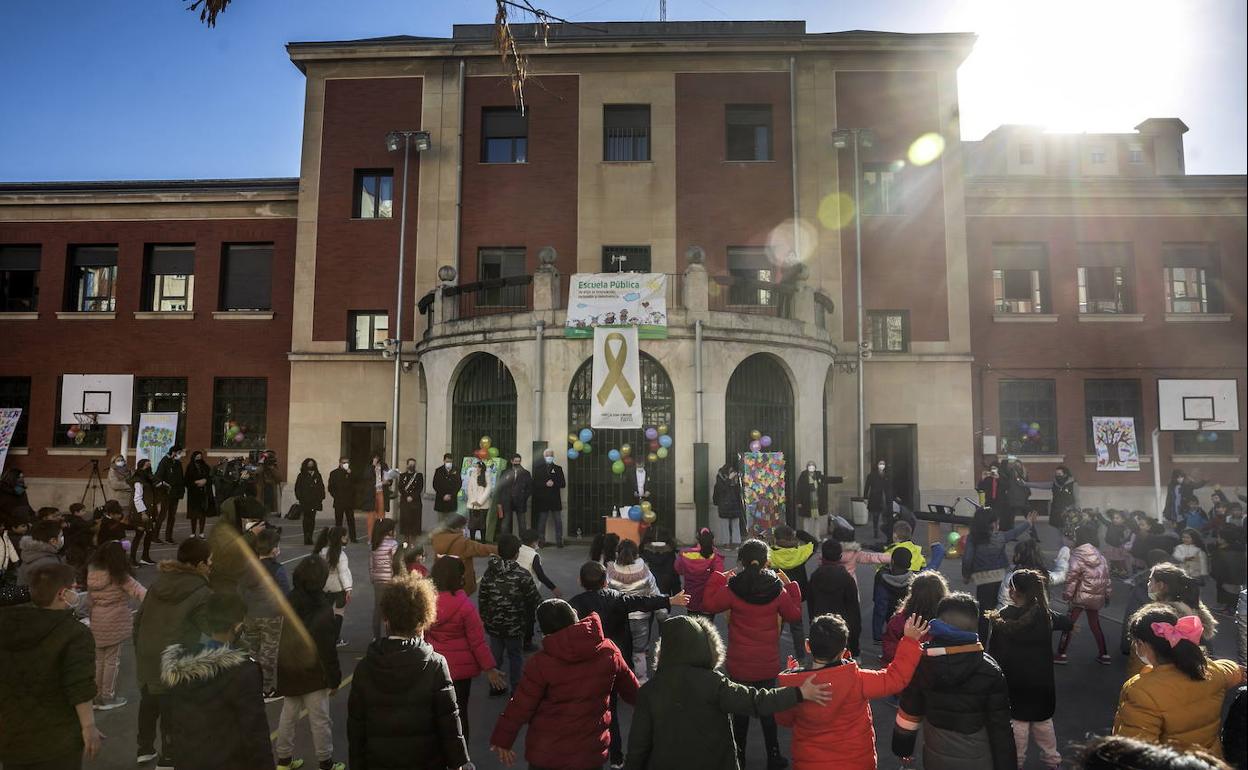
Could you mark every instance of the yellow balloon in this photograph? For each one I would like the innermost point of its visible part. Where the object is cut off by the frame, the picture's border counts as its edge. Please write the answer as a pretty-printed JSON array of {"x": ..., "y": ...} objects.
[
  {"x": 652, "y": 457},
  {"x": 646, "y": 506},
  {"x": 572, "y": 438},
  {"x": 578, "y": 445},
  {"x": 485, "y": 442},
  {"x": 756, "y": 435},
  {"x": 626, "y": 450},
  {"x": 649, "y": 516},
  {"x": 662, "y": 430}
]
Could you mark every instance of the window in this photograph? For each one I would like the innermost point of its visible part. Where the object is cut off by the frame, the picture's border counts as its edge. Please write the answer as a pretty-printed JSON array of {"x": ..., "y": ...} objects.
[
  {"x": 374, "y": 194},
  {"x": 747, "y": 131},
  {"x": 889, "y": 330},
  {"x": 19, "y": 279},
  {"x": 1111, "y": 398},
  {"x": 750, "y": 264},
  {"x": 1097, "y": 155},
  {"x": 881, "y": 188},
  {"x": 1020, "y": 278},
  {"x": 160, "y": 394},
  {"x": 1190, "y": 274},
  {"x": 369, "y": 329},
  {"x": 627, "y": 259},
  {"x": 1028, "y": 416},
  {"x": 1208, "y": 442},
  {"x": 1135, "y": 153},
  {"x": 239, "y": 406},
  {"x": 1026, "y": 155},
  {"x": 504, "y": 135},
  {"x": 15, "y": 393},
  {"x": 91, "y": 282},
  {"x": 626, "y": 132},
  {"x": 96, "y": 437},
  {"x": 247, "y": 276},
  {"x": 170, "y": 278},
  {"x": 494, "y": 264},
  {"x": 1104, "y": 277}
]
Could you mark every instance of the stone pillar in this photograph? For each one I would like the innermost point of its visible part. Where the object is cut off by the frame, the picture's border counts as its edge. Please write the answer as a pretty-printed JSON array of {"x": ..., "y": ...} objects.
[
  {"x": 804, "y": 307},
  {"x": 545, "y": 289},
  {"x": 695, "y": 291}
]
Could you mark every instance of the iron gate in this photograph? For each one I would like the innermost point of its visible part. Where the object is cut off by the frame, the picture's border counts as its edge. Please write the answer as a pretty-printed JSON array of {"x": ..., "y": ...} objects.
[
  {"x": 592, "y": 488},
  {"x": 484, "y": 404},
  {"x": 759, "y": 397}
]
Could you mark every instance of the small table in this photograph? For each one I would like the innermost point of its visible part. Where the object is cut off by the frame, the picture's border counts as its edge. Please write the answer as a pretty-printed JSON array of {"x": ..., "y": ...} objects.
[{"x": 627, "y": 529}]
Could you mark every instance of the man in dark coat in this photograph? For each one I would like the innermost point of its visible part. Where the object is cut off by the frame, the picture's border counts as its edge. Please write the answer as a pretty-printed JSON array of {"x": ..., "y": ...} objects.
[
  {"x": 515, "y": 485},
  {"x": 47, "y": 677},
  {"x": 547, "y": 482},
  {"x": 310, "y": 492},
  {"x": 637, "y": 486},
  {"x": 342, "y": 489},
  {"x": 879, "y": 493},
  {"x": 170, "y": 488},
  {"x": 446, "y": 484},
  {"x": 411, "y": 486}
]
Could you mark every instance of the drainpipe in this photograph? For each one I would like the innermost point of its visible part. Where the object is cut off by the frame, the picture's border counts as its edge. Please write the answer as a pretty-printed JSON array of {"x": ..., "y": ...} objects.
[
  {"x": 538, "y": 378},
  {"x": 459, "y": 167},
  {"x": 697, "y": 379},
  {"x": 797, "y": 209}
]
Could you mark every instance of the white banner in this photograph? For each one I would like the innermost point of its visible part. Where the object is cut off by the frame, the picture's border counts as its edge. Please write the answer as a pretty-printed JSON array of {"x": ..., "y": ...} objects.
[
  {"x": 8, "y": 424},
  {"x": 157, "y": 432},
  {"x": 615, "y": 393},
  {"x": 1116, "y": 445},
  {"x": 617, "y": 299}
]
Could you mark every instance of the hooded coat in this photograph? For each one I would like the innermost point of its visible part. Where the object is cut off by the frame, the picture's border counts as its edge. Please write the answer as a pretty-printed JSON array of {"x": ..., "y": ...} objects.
[
  {"x": 613, "y": 609},
  {"x": 401, "y": 714},
  {"x": 632, "y": 580},
  {"x": 889, "y": 590},
  {"x": 215, "y": 708},
  {"x": 831, "y": 589},
  {"x": 111, "y": 621},
  {"x": 168, "y": 615},
  {"x": 47, "y": 666},
  {"x": 661, "y": 559},
  {"x": 792, "y": 559},
  {"x": 459, "y": 636},
  {"x": 34, "y": 553},
  {"x": 508, "y": 598},
  {"x": 756, "y": 597},
  {"x": 689, "y": 696},
  {"x": 1087, "y": 578},
  {"x": 564, "y": 695},
  {"x": 695, "y": 569},
  {"x": 1022, "y": 644},
  {"x": 302, "y": 667}
]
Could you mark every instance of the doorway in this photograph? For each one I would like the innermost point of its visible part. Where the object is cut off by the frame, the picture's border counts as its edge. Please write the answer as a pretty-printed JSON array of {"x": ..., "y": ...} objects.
[
  {"x": 759, "y": 397},
  {"x": 898, "y": 445},
  {"x": 359, "y": 441}
]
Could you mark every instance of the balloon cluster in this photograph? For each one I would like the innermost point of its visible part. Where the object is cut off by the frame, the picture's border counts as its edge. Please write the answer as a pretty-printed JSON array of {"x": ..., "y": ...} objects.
[
  {"x": 235, "y": 433},
  {"x": 620, "y": 458},
  {"x": 1029, "y": 432},
  {"x": 644, "y": 512},
  {"x": 1210, "y": 436},
  {"x": 759, "y": 441},
  {"x": 579, "y": 443},
  {"x": 658, "y": 443},
  {"x": 486, "y": 449},
  {"x": 76, "y": 434}
]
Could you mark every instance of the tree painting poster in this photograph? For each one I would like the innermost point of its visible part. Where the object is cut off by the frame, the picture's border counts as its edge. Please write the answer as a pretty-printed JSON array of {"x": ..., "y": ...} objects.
[
  {"x": 1116, "y": 446},
  {"x": 8, "y": 425},
  {"x": 762, "y": 486},
  {"x": 157, "y": 433}
]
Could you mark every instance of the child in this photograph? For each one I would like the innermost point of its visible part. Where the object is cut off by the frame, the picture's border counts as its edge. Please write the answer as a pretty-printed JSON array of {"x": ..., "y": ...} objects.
[
  {"x": 891, "y": 584},
  {"x": 566, "y": 691},
  {"x": 262, "y": 588},
  {"x": 842, "y": 734},
  {"x": 507, "y": 600},
  {"x": 214, "y": 707},
  {"x": 629, "y": 575},
  {"x": 959, "y": 696},
  {"x": 1087, "y": 587},
  {"x": 793, "y": 549},
  {"x": 689, "y": 695},
  {"x": 984, "y": 561},
  {"x": 110, "y": 587},
  {"x": 833, "y": 591},
  {"x": 331, "y": 546},
  {"x": 1118, "y": 541},
  {"x": 113, "y": 526},
  {"x": 852, "y": 553},
  {"x": 602, "y": 547},
  {"x": 759, "y": 599},
  {"x": 41, "y": 546},
  {"x": 78, "y": 529},
  {"x": 402, "y": 707},
  {"x": 409, "y": 558},
  {"x": 1137, "y": 597},
  {"x": 901, "y": 539},
  {"x": 1022, "y": 644},
  {"x": 1195, "y": 517},
  {"x": 382, "y": 546},
  {"x": 1190, "y": 555},
  {"x": 658, "y": 551},
  {"x": 697, "y": 564},
  {"x": 922, "y": 598},
  {"x": 308, "y": 670},
  {"x": 1027, "y": 555},
  {"x": 531, "y": 560},
  {"x": 1227, "y": 566}
]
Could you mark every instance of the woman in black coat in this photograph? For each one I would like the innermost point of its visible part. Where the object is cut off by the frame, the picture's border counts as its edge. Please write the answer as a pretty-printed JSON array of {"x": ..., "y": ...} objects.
[
  {"x": 200, "y": 499},
  {"x": 310, "y": 492},
  {"x": 1178, "y": 493},
  {"x": 879, "y": 493},
  {"x": 812, "y": 494},
  {"x": 727, "y": 499}
]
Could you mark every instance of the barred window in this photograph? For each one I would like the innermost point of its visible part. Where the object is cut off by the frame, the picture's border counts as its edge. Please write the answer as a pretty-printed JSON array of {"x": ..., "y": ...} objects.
[
  {"x": 15, "y": 393},
  {"x": 161, "y": 394},
  {"x": 239, "y": 410},
  {"x": 1028, "y": 411}
]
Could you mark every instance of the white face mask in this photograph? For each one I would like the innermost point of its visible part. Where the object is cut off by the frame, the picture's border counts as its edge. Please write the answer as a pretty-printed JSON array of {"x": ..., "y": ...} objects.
[
  {"x": 880, "y": 467},
  {"x": 810, "y": 468},
  {"x": 446, "y": 465},
  {"x": 550, "y": 459},
  {"x": 71, "y": 598},
  {"x": 346, "y": 466}
]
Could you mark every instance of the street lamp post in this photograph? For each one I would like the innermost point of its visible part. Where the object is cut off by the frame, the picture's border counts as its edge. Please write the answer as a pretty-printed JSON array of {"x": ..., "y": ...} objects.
[
  {"x": 843, "y": 138},
  {"x": 394, "y": 345}
]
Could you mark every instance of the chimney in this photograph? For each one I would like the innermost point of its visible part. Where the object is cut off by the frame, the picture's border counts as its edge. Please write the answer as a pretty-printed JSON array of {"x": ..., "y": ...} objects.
[{"x": 1167, "y": 135}]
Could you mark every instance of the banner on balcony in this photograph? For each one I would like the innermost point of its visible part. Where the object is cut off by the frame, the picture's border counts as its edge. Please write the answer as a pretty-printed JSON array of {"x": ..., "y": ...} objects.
[
  {"x": 615, "y": 391},
  {"x": 617, "y": 299},
  {"x": 8, "y": 425},
  {"x": 157, "y": 433},
  {"x": 1116, "y": 445}
]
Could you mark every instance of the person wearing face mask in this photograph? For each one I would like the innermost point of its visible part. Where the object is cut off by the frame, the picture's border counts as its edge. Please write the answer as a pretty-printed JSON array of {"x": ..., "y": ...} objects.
[
  {"x": 879, "y": 493},
  {"x": 119, "y": 483},
  {"x": 13, "y": 499},
  {"x": 727, "y": 499},
  {"x": 171, "y": 484},
  {"x": 515, "y": 485},
  {"x": 548, "y": 480},
  {"x": 41, "y": 546},
  {"x": 200, "y": 500},
  {"x": 411, "y": 487},
  {"x": 144, "y": 503},
  {"x": 47, "y": 676},
  {"x": 1065, "y": 494},
  {"x": 446, "y": 486},
  {"x": 812, "y": 494},
  {"x": 1180, "y": 491},
  {"x": 342, "y": 489},
  {"x": 310, "y": 492}
]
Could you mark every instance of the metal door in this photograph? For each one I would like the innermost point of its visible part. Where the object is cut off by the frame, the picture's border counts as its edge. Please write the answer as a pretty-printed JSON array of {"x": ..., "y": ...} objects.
[
  {"x": 484, "y": 404},
  {"x": 759, "y": 397}
]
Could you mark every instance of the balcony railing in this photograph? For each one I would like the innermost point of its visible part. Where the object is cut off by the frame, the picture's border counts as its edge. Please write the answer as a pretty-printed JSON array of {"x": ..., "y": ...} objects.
[
  {"x": 733, "y": 294},
  {"x": 495, "y": 296}
]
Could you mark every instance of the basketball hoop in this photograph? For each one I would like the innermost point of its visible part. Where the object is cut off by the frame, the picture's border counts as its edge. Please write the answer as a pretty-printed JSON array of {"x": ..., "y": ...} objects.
[{"x": 85, "y": 422}]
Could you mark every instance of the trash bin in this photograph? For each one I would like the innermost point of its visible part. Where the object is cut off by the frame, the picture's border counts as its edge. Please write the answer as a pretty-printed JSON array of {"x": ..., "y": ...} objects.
[{"x": 858, "y": 510}]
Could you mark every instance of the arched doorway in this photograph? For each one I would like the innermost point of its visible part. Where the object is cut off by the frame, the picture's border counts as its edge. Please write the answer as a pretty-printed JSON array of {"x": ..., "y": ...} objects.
[
  {"x": 592, "y": 488},
  {"x": 483, "y": 404},
  {"x": 760, "y": 397}
]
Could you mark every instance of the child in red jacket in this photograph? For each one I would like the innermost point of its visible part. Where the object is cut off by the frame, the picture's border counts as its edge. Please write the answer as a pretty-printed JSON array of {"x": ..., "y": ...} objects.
[
  {"x": 759, "y": 599},
  {"x": 841, "y": 733}
]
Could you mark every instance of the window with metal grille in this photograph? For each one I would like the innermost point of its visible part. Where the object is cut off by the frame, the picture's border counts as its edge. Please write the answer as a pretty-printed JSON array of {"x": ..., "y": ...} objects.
[
  {"x": 504, "y": 135},
  {"x": 627, "y": 259},
  {"x": 626, "y": 132},
  {"x": 1020, "y": 278},
  {"x": 759, "y": 396},
  {"x": 15, "y": 394},
  {"x": 495, "y": 263},
  {"x": 1111, "y": 398},
  {"x": 1204, "y": 442},
  {"x": 881, "y": 191},
  {"x": 91, "y": 282},
  {"x": 239, "y": 410},
  {"x": 95, "y": 437},
  {"x": 750, "y": 264},
  {"x": 1104, "y": 277},
  {"x": 368, "y": 329},
  {"x": 247, "y": 276},
  {"x": 1028, "y": 412},
  {"x": 169, "y": 278},
  {"x": 747, "y": 129},
  {"x": 889, "y": 330},
  {"x": 1191, "y": 278},
  {"x": 374, "y": 194},
  {"x": 483, "y": 404},
  {"x": 19, "y": 279},
  {"x": 161, "y": 394}
]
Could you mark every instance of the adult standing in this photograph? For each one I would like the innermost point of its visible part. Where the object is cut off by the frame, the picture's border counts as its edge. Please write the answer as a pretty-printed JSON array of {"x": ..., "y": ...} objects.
[
  {"x": 1017, "y": 496},
  {"x": 638, "y": 489},
  {"x": 548, "y": 480},
  {"x": 1180, "y": 491},
  {"x": 342, "y": 489},
  {"x": 119, "y": 483},
  {"x": 515, "y": 486},
  {"x": 727, "y": 499},
  {"x": 270, "y": 482},
  {"x": 446, "y": 486},
  {"x": 143, "y": 481},
  {"x": 170, "y": 488},
  {"x": 13, "y": 499},
  {"x": 1065, "y": 492},
  {"x": 310, "y": 492},
  {"x": 879, "y": 493},
  {"x": 382, "y": 479},
  {"x": 812, "y": 493},
  {"x": 411, "y": 506},
  {"x": 199, "y": 494}
]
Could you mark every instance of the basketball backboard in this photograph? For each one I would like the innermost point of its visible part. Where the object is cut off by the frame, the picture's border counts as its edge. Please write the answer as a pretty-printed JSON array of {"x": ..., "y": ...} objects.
[
  {"x": 110, "y": 396},
  {"x": 1198, "y": 405}
]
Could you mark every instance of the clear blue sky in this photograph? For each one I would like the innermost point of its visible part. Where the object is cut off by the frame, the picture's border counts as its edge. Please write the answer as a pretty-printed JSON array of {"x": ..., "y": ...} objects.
[{"x": 135, "y": 89}]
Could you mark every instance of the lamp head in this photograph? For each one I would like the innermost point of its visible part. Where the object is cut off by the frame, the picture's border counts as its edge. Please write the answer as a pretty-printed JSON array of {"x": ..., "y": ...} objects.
[
  {"x": 446, "y": 274},
  {"x": 421, "y": 141},
  {"x": 547, "y": 255},
  {"x": 695, "y": 255},
  {"x": 841, "y": 138},
  {"x": 394, "y": 140}
]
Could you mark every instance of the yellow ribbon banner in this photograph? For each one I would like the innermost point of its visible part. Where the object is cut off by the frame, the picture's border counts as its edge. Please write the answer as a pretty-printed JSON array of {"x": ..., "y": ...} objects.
[
  {"x": 616, "y": 386},
  {"x": 616, "y": 380}
]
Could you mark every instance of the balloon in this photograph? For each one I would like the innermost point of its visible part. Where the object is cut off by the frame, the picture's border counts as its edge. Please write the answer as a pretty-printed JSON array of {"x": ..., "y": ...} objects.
[
  {"x": 652, "y": 434},
  {"x": 626, "y": 450},
  {"x": 1035, "y": 426},
  {"x": 485, "y": 442},
  {"x": 756, "y": 434},
  {"x": 755, "y": 446},
  {"x": 662, "y": 453},
  {"x": 953, "y": 538},
  {"x": 482, "y": 454},
  {"x": 1200, "y": 437},
  {"x": 634, "y": 513},
  {"x": 573, "y": 454},
  {"x": 617, "y": 467},
  {"x": 652, "y": 457},
  {"x": 72, "y": 433},
  {"x": 238, "y": 438},
  {"x": 493, "y": 452},
  {"x": 665, "y": 440},
  {"x": 586, "y": 449},
  {"x": 586, "y": 434},
  {"x": 765, "y": 441},
  {"x": 662, "y": 430},
  {"x": 572, "y": 437},
  {"x": 461, "y": 495},
  {"x": 646, "y": 506},
  {"x": 649, "y": 516},
  {"x": 614, "y": 455},
  {"x": 1213, "y": 436},
  {"x": 578, "y": 445},
  {"x": 628, "y": 460},
  {"x": 654, "y": 445}
]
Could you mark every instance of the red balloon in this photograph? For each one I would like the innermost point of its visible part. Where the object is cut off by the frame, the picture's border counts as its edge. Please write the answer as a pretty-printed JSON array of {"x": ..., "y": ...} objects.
[
  {"x": 628, "y": 460},
  {"x": 482, "y": 454},
  {"x": 654, "y": 446}
]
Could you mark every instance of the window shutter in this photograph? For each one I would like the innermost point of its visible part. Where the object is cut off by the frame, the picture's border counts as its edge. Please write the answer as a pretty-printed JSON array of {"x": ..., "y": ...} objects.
[
  {"x": 1020, "y": 256},
  {"x": 19, "y": 257},
  {"x": 749, "y": 258},
  {"x": 504, "y": 124},
  {"x": 171, "y": 260},
  {"x": 1103, "y": 254},
  {"x": 95, "y": 256},
  {"x": 1188, "y": 255},
  {"x": 248, "y": 277}
]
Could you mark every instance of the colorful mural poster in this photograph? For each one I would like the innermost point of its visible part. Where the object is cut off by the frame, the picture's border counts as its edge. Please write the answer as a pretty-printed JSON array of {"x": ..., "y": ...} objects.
[
  {"x": 762, "y": 485},
  {"x": 157, "y": 433},
  {"x": 8, "y": 424},
  {"x": 1117, "y": 448}
]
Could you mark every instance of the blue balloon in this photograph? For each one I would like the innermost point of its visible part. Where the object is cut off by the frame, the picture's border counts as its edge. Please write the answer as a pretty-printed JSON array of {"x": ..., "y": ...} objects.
[
  {"x": 665, "y": 441},
  {"x": 573, "y": 454},
  {"x": 586, "y": 434},
  {"x": 613, "y": 455},
  {"x": 634, "y": 513}
]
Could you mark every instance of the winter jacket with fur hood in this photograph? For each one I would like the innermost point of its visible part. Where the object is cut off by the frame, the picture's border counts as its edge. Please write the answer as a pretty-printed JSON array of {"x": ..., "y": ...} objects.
[
  {"x": 215, "y": 708},
  {"x": 459, "y": 636},
  {"x": 508, "y": 598},
  {"x": 757, "y": 599},
  {"x": 1087, "y": 579},
  {"x": 169, "y": 615},
  {"x": 34, "y": 553}
]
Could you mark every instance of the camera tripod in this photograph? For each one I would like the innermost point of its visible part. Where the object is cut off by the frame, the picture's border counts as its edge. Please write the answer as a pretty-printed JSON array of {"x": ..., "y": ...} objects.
[{"x": 95, "y": 483}]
